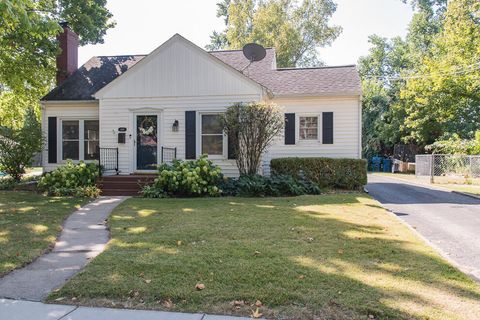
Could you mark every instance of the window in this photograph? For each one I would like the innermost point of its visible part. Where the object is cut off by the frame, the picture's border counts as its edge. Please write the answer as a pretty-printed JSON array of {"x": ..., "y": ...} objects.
[
  {"x": 308, "y": 128},
  {"x": 80, "y": 139},
  {"x": 91, "y": 143},
  {"x": 71, "y": 142},
  {"x": 212, "y": 134}
]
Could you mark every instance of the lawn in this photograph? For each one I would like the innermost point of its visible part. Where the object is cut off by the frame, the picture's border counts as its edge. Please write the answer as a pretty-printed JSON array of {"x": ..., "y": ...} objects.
[
  {"x": 29, "y": 225},
  {"x": 337, "y": 256},
  {"x": 466, "y": 188}
]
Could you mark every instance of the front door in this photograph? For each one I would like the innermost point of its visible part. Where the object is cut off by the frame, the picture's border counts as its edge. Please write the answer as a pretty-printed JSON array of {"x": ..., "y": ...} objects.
[{"x": 147, "y": 142}]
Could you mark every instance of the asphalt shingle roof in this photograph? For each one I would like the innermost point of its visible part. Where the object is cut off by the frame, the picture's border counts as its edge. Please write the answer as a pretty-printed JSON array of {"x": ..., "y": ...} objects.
[
  {"x": 342, "y": 80},
  {"x": 91, "y": 77},
  {"x": 99, "y": 71}
]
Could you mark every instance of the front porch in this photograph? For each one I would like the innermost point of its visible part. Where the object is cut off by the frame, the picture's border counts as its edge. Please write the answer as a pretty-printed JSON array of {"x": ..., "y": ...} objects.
[
  {"x": 124, "y": 185},
  {"x": 113, "y": 182}
]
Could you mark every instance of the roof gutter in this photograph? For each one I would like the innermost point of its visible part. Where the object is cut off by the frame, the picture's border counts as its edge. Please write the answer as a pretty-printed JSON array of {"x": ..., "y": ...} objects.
[
  {"x": 319, "y": 95},
  {"x": 58, "y": 102}
]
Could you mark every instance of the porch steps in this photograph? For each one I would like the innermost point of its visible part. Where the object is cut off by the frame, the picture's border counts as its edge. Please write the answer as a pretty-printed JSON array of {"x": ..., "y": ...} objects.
[{"x": 127, "y": 185}]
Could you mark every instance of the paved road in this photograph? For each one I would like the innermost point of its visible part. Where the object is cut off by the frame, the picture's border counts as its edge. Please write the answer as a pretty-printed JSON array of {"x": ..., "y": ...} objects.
[{"x": 451, "y": 222}]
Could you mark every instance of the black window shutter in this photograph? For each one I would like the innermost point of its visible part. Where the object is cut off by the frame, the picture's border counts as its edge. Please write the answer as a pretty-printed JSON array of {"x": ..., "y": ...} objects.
[
  {"x": 52, "y": 140},
  {"x": 289, "y": 128},
  {"x": 327, "y": 128},
  {"x": 190, "y": 135},
  {"x": 231, "y": 149}
]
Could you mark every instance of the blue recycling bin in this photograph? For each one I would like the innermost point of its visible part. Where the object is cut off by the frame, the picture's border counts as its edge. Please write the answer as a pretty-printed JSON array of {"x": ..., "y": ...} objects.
[
  {"x": 375, "y": 164},
  {"x": 387, "y": 165}
]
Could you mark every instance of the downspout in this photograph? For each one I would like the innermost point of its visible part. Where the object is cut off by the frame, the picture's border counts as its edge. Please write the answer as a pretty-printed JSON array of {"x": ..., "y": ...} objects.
[{"x": 360, "y": 131}]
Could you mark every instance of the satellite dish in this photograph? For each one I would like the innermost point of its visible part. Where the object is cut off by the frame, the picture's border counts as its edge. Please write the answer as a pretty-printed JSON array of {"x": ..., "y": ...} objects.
[{"x": 254, "y": 52}]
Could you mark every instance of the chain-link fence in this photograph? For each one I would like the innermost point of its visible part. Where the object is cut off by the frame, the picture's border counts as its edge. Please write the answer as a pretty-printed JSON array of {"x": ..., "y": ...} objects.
[{"x": 448, "y": 168}]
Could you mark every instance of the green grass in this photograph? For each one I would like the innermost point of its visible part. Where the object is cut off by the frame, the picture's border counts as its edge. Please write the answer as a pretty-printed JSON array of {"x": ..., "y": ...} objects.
[
  {"x": 338, "y": 256},
  {"x": 29, "y": 225}
]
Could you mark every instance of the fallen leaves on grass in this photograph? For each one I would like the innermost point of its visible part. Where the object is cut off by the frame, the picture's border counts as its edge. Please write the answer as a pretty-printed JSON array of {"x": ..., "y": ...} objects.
[
  {"x": 257, "y": 314},
  {"x": 168, "y": 304}
]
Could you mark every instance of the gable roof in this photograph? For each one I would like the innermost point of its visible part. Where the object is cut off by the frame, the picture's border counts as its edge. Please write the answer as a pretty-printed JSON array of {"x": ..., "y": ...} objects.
[
  {"x": 100, "y": 71},
  {"x": 178, "y": 38}
]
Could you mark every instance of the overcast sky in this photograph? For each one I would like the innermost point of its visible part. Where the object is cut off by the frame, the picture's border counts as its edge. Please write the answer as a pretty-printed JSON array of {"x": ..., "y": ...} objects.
[{"x": 143, "y": 25}]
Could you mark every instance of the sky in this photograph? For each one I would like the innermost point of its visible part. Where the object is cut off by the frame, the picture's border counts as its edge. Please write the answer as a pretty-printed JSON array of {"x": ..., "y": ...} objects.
[{"x": 143, "y": 25}]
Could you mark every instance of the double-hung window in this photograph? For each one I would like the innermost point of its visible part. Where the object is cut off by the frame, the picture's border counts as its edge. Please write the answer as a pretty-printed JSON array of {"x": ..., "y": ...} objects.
[
  {"x": 308, "y": 128},
  {"x": 212, "y": 137},
  {"x": 80, "y": 139}
]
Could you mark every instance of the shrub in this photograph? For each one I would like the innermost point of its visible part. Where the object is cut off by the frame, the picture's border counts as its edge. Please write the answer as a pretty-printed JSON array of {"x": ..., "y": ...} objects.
[
  {"x": 350, "y": 174},
  {"x": 72, "y": 180},
  {"x": 19, "y": 145},
  {"x": 7, "y": 183},
  {"x": 251, "y": 128},
  {"x": 275, "y": 186},
  {"x": 186, "y": 178}
]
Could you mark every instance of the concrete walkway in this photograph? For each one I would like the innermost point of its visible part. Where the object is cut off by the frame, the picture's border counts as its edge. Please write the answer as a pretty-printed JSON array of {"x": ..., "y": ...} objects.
[
  {"x": 449, "y": 221},
  {"x": 83, "y": 237},
  {"x": 27, "y": 310}
]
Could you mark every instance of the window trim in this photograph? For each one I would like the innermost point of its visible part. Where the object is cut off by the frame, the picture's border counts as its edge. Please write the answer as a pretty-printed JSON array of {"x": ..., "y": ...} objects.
[
  {"x": 81, "y": 135},
  {"x": 72, "y": 140},
  {"x": 318, "y": 127},
  {"x": 88, "y": 139},
  {"x": 224, "y": 154},
  {"x": 319, "y": 116}
]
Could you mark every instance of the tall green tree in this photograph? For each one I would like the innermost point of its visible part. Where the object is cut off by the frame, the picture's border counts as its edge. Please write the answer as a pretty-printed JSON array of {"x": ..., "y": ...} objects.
[
  {"x": 28, "y": 30},
  {"x": 384, "y": 71},
  {"x": 382, "y": 108},
  {"x": 295, "y": 28},
  {"x": 443, "y": 95}
]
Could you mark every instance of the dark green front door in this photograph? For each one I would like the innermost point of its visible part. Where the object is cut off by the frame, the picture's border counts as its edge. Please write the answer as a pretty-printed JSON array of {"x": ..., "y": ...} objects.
[{"x": 147, "y": 142}]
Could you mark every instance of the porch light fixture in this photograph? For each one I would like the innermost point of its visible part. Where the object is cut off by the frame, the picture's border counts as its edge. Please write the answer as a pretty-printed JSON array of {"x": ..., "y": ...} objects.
[{"x": 175, "y": 126}]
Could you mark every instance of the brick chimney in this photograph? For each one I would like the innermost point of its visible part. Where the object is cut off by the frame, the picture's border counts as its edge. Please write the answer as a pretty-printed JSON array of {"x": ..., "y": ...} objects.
[{"x": 67, "y": 61}]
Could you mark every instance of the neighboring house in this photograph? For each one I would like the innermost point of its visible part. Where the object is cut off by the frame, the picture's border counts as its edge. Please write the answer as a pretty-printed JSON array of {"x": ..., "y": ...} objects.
[{"x": 143, "y": 105}]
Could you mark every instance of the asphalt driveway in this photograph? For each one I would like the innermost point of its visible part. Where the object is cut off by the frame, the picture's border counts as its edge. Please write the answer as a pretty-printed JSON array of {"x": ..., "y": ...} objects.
[{"x": 450, "y": 221}]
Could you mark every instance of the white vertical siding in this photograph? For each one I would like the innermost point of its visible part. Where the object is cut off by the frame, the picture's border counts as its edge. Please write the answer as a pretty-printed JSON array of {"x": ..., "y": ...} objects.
[
  {"x": 178, "y": 68},
  {"x": 66, "y": 110}
]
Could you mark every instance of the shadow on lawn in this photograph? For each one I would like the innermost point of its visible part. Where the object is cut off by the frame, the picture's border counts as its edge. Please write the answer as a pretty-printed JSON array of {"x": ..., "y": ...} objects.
[
  {"x": 312, "y": 262},
  {"x": 29, "y": 223}
]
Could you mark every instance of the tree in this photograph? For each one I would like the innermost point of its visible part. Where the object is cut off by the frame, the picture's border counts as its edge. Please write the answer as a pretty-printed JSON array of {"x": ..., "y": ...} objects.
[
  {"x": 251, "y": 128},
  {"x": 384, "y": 72},
  {"x": 295, "y": 28},
  {"x": 444, "y": 99},
  {"x": 28, "y": 47},
  {"x": 18, "y": 146},
  {"x": 383, "y": 114}
]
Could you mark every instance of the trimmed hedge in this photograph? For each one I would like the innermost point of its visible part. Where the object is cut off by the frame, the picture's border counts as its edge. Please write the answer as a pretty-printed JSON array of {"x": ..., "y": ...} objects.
[{"x": 350, "y": 174}]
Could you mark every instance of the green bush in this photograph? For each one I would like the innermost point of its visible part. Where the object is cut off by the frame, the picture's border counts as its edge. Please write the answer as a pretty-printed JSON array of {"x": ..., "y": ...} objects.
[
  {"x": 350, "y": 174},
  {"x": 18, "y": 146},
  {"x": 275, "y": 186},
  {"x": 72, "y": 180},
  {"x": 7, "y": 183},
  {"x": 186, "y": 178}
]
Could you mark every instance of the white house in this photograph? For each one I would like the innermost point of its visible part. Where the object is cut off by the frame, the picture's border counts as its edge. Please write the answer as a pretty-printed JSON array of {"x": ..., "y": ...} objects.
[{"x": 140, "y": 110}]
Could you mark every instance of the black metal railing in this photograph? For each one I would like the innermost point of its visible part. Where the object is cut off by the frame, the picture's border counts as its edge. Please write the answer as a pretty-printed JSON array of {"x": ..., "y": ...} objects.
[
  {"x": 108, "y": 160},
  {"x": 168, "y": 154}
]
